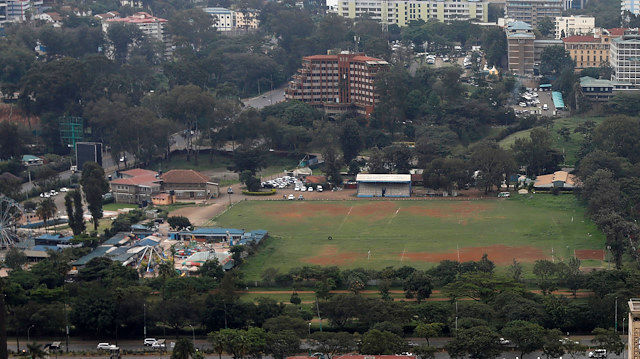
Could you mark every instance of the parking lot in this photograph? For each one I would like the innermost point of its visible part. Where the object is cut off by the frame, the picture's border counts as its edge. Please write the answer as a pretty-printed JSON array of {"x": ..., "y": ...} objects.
[{"x": 534, "y": 102}]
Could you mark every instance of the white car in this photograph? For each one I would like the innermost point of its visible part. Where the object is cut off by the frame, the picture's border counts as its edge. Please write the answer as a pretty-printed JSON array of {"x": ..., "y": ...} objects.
[
  {"x": 149, "y": 341},
  {"x": 291, "y": 197},
  {"x": 320, "y": 188},
  {"x": 310, "y": 189},
  {"x": 64, "y": 189},
  {"x": 105, "y": 346},
  {"x": 303, "y": 188},
  {"x": 545, "y": 107},
  {"x": 504, "y": 341},
  {"x": 598, "y": 353},
  {"x": 159, "y": 344},
  {"x": 297, "y": 189}
]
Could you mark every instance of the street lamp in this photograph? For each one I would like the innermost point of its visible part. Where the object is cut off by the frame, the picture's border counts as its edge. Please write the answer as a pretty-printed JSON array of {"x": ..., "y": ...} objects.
[
  {"x": 28, "y": 333},
  {"x": 193, "y": 332},
  {"x": 309, "y": 328}
]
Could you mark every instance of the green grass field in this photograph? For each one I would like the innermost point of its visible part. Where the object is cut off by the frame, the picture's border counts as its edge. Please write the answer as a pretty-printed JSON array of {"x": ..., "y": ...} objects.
[
  {"x": 570, "y": 147},
  {"x": 375, "y": 234}
]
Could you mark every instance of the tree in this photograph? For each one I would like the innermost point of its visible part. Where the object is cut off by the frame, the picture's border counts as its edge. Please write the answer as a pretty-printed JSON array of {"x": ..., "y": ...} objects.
[
  {"x": 12, "y": 140},
  {"x": 250, "y": 181},
  {"x": 418, "y": 285},
  {"x": 295, "y": 299},
  {"x": 398, "y": 158},
  {"x": 75, "y": 213},
  {"x": 428, "y": 330},
  {"x": 546, "y": 273},
  {"x": 515, "y": 270},
  {"x": 425, "y": 351},
  {"x": 46, "y": 210},
  {"x": 493, "y": 163},
  {"x": 546, "y": 26},
  {"x": 15, "y": 258},
  {"x": 480, "y": 342},
  {"x": 526, "y": 336},
  {"x": 179, "y": 223},
  {"x": 283, "y": 343},
  {"x": 333, "y": 343},
  {"x": 554, "y": 60},
  {"x": 332, "y": 165},
  {"x": 286, "y": 323},
  {"x": 350, "y": 140},
  {"x": 446, "y": 173},
  {"x": 35, "y": 351},
  {"x": 608, "y": 339},
  {"x": 553, "y": 347},
  {"x": 122, "y": 35},
  {"x": 211, "y": 269},
  {"x": 573, "y": 276},
  {"x": 94, "y": 185},
  {"x": 183, "y": 349},
  {"x": 535, "y": 153},
  {"x": 375, "y": 342}
]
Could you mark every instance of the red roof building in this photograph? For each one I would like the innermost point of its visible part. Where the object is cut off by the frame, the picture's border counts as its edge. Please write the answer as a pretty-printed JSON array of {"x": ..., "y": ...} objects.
[
  {"x": 337, "y": 83},
  {"x": 135, "y": 186}
]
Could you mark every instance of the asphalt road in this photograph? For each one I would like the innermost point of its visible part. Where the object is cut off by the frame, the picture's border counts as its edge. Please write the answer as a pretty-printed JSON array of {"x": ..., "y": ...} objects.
[{"x": 266, "y": 99}]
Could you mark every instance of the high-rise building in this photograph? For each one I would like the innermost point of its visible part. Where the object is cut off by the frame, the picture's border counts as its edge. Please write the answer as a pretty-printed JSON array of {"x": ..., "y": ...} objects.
[
  {"x": 632, "y": 6},
  {"x": 520, "y": 47},
  {"x": 228, "y": 20},
  {"x": 574, "y": 25},
  {"x": 532, "y": 11},
  {"x": 402, "y": 12},
  {"x": 624, "y": 57},
  {"x": 337, "y": 83}
]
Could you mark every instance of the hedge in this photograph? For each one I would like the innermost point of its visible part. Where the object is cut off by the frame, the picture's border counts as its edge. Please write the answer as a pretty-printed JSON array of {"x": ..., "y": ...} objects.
[{"x": 269, "y": 193}]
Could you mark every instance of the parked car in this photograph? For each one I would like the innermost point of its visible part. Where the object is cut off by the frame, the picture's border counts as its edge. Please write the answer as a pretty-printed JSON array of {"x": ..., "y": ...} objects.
[
  {"x": 598, "y": 353},
  {"x": 320, "y": 188},
  {"x": 545, "y": 107},
  {"x": 159, "y": 344},
  {"x": 149, "y": 341},
  {"x": 504, "y": 195},
  {"x": 504, "y": 341},
  {"x": 64, "y": 189},
  {"x": 566, "y": 341},
  {"x": 105, "y": 346},
  {"x": 291, "y": 197}
]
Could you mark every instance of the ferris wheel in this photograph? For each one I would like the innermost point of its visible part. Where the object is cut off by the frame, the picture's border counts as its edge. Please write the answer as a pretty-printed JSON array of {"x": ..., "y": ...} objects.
[{"x": 10, "y": 213}]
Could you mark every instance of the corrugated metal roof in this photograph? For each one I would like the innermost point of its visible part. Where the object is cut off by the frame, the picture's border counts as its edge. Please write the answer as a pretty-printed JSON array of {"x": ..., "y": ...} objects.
[{"x": 373, "y": 177}]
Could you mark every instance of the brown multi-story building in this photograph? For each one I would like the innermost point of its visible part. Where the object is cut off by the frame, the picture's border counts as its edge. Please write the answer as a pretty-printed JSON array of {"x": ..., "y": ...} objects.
[
  {"x": 520, "y": 45},
  {"x": 337, "y": 83},
  {"x": 588, "y": 50},
  {"x": 591, "y": 50}
]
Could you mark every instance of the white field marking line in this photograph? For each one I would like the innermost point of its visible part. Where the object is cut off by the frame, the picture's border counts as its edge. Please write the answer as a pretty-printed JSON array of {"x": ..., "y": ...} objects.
[
  {"x": 403, "y": 252},
  {"x": 344, "y": 220},
  {"x": 394, "y": 216}
]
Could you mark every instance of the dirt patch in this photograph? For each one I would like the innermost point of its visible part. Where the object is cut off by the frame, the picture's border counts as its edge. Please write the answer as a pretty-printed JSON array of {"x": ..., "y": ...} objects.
[
  {"x": 331, "y": 256},
  {"x": 375, "y": 210},
  {"x": 499, "y": 254},
  {"x": 589, "y": 254},
  {"x": 298, "y": 210},
  {"x": 461, "y": 210}
]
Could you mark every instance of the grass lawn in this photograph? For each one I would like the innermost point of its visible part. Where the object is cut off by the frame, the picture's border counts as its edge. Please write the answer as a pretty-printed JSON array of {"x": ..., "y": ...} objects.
[
  {"x": 116, "y": 206},
  {"x": 376, "y": 234},
  {"x": 274, "y": 163},
  {"x": 569, "y": 148}
]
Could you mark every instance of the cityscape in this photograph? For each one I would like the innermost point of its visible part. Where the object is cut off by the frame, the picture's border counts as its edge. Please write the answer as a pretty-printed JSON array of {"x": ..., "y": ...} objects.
[{"x": 305, "y": 179}]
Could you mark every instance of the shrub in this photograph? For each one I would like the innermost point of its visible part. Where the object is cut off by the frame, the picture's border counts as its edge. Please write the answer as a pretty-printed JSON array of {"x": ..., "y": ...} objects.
[{"x": 262, "y": 193}]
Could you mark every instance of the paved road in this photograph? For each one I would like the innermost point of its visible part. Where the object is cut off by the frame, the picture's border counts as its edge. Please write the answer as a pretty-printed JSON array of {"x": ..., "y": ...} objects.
[{"x": 266, "y": 99}]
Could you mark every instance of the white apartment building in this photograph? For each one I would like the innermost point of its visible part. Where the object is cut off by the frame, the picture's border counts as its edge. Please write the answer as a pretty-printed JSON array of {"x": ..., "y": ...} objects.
[
  {"x": 228, "y": 20},
  {"x": 223, "y": 18},
  {"x": 632, "y": 6},
  {"x": 402, "y": 12},
  {"x": 574, "y": 25},
  {"x": 153, "y": 27},
  {"x": 17, "y": 10},
  {"x": 624, "y": 57}
]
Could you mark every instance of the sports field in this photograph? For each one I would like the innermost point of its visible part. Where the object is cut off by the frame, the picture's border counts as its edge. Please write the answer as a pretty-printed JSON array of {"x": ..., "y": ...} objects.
[{"x": 420, "y": 233}]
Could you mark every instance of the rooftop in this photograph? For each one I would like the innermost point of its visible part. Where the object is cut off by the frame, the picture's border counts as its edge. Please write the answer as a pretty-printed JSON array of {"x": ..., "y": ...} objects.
[
  {"x": 581, "y": 38},
  {"x": 144, "y": 180},
  {"x": 137, "y": 172},
  {"x": 184, "y": 176},
  {"x": 634, "y": 305},
  {"x": 519, "y": 26},
  {"x": 138, "y": 18},
  {"x": 547, "y": 180},
  {"x": 374, "y": 177}
]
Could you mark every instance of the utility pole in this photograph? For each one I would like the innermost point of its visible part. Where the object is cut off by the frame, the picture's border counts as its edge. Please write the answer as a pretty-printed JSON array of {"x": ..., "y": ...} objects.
[{"x": 616, "y": 316}]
